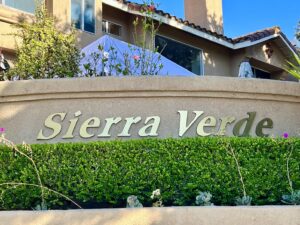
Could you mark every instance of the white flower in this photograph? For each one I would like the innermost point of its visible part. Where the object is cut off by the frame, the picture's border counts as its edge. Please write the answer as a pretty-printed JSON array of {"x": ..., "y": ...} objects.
[
  {"x": 106, "y": 55},
  {"x": 155, "y": 193}
]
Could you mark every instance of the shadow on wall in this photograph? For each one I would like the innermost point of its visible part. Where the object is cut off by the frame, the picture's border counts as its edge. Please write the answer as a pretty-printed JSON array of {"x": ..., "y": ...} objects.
[{"x": 215, "y": 23}]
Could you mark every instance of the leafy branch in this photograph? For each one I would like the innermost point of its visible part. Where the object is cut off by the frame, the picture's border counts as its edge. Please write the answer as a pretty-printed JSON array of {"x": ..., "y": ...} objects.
[
  {"x": 245, "y": 200},
  {"x": 232, "y": 153},
  {"x": 143, "y": 58},
  {"x": 294, "y": 69},
  {"x": 29, "y": 156}
]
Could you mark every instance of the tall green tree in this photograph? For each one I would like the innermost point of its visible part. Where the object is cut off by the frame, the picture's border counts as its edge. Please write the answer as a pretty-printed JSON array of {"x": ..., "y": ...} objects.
[{"x": 45, "y": 51}]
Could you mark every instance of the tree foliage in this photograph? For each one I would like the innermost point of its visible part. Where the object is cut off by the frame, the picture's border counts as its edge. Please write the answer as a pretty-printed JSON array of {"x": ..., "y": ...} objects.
[
  {"x": 45, "y": 51},
  {"x": 298, "y": 32},
  {"x": 294, "y": 69}
]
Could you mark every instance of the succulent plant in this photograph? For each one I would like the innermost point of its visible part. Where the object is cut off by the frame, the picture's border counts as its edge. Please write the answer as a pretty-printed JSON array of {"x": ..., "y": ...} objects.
[
  {"x": 41, "y": 207},
  {"x": 292, "y": 199},
  {"x": 245, "y": 200},
  {"x": 133, "y": 202},
  {"x": 204, "y": 199}
]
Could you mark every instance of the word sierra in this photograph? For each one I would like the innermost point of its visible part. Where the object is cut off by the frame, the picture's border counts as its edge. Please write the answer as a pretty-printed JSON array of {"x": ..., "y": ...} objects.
[
  {"x": 151, "y": 125},
  {"x": 149, "y": 129}
]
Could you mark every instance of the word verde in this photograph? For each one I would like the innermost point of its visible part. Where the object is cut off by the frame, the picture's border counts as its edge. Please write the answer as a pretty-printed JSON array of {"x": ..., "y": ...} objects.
[{"x": 151, "y": 126}]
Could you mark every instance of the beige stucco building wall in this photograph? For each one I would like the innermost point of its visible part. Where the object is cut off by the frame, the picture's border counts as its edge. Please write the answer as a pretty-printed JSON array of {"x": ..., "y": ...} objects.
[
  {"x": 8, "y": 42},
  {"x": 205, "y": 13},
  {"x": 260, "y": 60},
  {"x": 125, "y": 20},
  {"x": 217, "y": 59},
  {"x": 8, "y": 17},
  {"x": 60, "y": 10}
]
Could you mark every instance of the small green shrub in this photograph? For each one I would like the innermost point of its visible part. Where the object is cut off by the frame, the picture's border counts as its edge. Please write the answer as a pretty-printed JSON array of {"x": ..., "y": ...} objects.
[
  {"x": 104, "y": 174},
  {"x": 45, "y": 52}
]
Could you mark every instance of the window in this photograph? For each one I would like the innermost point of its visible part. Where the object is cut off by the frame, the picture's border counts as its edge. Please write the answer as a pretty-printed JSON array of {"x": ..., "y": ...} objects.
[
  {"x": 83, "y": 14},
  {"x": 111, "y": 28},
  {"x": 182, "y": 54},
  {"x": 24, "y": 5},
  {"x": 261, "y": 73}
]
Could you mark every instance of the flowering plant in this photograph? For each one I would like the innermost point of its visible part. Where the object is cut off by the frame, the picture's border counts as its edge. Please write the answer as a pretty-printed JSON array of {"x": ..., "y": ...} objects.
[
  {"x": 294, "y": 197},
  {"x": 142, "y": 58},
  {"x": 156, "y": 196}
]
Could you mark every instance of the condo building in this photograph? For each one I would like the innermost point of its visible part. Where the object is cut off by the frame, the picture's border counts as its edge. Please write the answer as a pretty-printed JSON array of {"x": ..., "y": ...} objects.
[{"x": 196, "y": 43}]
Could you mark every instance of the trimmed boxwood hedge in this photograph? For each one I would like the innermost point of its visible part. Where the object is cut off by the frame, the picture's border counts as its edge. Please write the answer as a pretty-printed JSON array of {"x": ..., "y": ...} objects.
[{"x": 104, "y": 174}]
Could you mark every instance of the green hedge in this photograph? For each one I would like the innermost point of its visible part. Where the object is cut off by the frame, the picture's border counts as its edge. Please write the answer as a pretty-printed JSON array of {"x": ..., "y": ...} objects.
[{"x": 104, "y": 174}]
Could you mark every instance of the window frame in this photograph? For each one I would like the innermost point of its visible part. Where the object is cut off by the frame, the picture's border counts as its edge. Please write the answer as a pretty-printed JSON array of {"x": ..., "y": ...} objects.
[
  {"x": 2, "y": 2},
  {"x": 202, "y": 64},
  {"x": 107, "y": 30},
  {"x": 82, "y": 17}
]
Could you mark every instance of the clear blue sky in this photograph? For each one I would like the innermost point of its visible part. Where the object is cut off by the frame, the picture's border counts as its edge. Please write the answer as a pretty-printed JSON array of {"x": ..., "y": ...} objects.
[{"x": 245, "y": 16}]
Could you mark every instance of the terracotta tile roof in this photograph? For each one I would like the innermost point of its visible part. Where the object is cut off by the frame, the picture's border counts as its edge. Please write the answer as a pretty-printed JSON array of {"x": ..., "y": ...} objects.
[
  {"x": 258, "y": 35},
  {"x": 137, "y": 7},
  {"x": 255, "y": 36}
]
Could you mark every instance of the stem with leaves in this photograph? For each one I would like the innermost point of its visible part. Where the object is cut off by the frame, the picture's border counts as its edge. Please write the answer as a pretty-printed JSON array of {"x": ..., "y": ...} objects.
[
  {"x": 27, "y": 148},
  {"x": 288, "y": 169},
  {"x": 232, "y": 152}
]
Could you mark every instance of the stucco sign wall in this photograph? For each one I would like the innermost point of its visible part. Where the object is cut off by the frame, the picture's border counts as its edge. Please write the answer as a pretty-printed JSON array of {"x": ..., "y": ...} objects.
[{"x": 66, "y": 110}]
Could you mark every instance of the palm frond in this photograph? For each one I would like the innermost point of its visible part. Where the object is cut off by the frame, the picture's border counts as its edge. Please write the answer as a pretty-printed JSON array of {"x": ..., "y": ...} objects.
[{"x": 294, "y": 69}]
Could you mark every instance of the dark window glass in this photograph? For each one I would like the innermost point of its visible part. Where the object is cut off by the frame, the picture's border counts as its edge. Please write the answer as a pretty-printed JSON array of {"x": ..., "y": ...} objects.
[
  {"x": 261, "y": 74},
  {"x": 24, "y": 5},
  {"x": 114, "y": 29},
  {"x": 89, "y": 16},
  {"x": 83, "y": 14},
  {"x": 184, "y": 55}
]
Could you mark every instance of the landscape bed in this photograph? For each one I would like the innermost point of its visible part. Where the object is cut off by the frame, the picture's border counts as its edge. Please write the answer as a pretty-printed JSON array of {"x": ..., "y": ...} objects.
[{"x": 104, "y": 174}]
